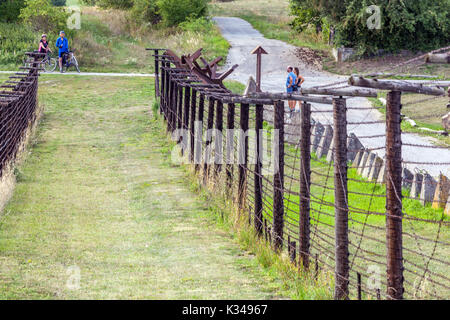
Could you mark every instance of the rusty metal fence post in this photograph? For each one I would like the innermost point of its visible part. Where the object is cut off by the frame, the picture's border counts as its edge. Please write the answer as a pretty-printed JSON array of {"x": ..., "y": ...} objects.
[
  {"x": 179, "y": 122},
  {"x": 218, "y": 139},
  {"x": 187, "y": 105},
  {"x": 192, "y": 126},
  {"x": 278, "y": 178},
  {"x": 394, "y": 241},
  {"x": 199, "y": 133},
  {"x": 209, "y": 136},
  {"x": 258, "y": 219},
  {"x": 157, "y": 93},
  {"x": 243, "y": 154},
  {"x": 230, "y": 147},
  {"x": 305, "y": 184},
  {"x": 341, "y": 199}
]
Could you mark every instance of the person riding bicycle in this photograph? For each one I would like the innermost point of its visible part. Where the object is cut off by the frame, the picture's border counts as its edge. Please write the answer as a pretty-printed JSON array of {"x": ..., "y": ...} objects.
[
  {"x": 63, "y": 45},
  {"x": 43, "y": 45}
]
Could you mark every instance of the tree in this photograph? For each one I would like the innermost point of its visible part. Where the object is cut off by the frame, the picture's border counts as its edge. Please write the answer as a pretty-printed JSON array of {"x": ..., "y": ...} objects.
[
  {"x": 174, "y": 12},
  {"x": 10, "y": 10},
  {"x": 41, "y": 15}
]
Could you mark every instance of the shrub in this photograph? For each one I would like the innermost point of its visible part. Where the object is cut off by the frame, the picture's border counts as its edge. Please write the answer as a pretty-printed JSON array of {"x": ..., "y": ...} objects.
[
  {"x": 59, "y": 3},
  {"x": 115, "y": 4},
  {"x": 89, "y": 2},
  {"x": 145, "y": 11},
  {"x": 10, "y": 10},
  {"x": 406, "y": 24},
  {"x": 174, "y": 12},
  {"x": 15, "y": 40},
  {"x": 42, "y": 16}
]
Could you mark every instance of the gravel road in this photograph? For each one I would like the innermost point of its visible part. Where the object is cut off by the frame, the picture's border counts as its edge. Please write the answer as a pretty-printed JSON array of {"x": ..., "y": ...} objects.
[{"x": 244, "y": 38}]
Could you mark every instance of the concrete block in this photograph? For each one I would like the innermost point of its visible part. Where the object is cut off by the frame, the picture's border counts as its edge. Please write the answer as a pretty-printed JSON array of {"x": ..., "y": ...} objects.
[
  {"x": 447, "y": 207},
  {"x": 428, "y": 189},
  {"x": 368, "y": 166},
  {"x": 353, "y": 146},
  {"x": 442, "y": 192},
  {"x": 382, "y": 174},
  {"x": 416, "y": 186},
  {"x": 325, "y": 142},
  {"x": 446, "y": 122},
  {"x": 363, "y": 161},
  {"x": 330, "y": 154},
  {"x": 316, "y": 135},
  {"x": 358, "y": 159},
  {"x": 375, "y": 170},
  {"x": 407, "y": 179}
]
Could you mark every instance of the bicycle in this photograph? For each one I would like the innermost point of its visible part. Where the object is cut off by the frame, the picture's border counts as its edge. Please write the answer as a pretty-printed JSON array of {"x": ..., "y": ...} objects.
[
  {"x": 47, "y": 64},
  {"x": 69, "y": 60}
]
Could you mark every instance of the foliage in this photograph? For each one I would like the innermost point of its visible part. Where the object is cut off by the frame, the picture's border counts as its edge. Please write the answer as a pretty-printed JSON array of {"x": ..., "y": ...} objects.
[
  {"x": 174, "y": 12},
  {"x": 406, "y": 24},
  {"x": 10, "y": 10},
  {"x": 15, "y": 39},
  {"x": 42, "y": 16},
  {"x": 59, "y": 3},
  {"x": 145, "y": 11},
  {"x": 115, "y": 4},
  {"x": 89, "y": 2}
]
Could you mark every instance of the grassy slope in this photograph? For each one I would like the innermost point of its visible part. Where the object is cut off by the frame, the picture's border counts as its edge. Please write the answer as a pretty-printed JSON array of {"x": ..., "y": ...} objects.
[{"x": 98, "y": 192}]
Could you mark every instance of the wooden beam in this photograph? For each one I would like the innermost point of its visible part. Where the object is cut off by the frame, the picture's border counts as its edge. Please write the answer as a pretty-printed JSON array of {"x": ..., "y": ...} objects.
[
  {"x": 340, "y": 92},
  {"x": 438, "y": 58},
  {"x": 392, "y": 85},
  {"x": 289, "y": 96}
]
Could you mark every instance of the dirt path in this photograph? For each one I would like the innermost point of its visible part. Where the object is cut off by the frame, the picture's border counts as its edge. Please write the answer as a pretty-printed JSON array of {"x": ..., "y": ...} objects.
[
  {"x": 98, "y": 201},
  {"x": 244, "y": 38}
]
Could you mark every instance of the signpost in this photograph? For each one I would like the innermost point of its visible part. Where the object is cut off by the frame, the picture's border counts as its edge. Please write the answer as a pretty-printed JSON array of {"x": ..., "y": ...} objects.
[{"x": 259, "y": 51}]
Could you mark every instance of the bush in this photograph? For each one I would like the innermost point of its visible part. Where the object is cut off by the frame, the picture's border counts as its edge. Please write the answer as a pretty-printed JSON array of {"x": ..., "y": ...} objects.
[
  {"x": 59, "y": 3},
  {"x": 145, "y": 11},
  {"x": 174, "y": 12},
  {"x": 406, "y": 24},
  {"x": 89, "y": 2},
  {"x": 115, "y": 4},
  {"x": 10, "y": 10},
  {"x": 15, "y": 40},
  {"x": 42, "y": 16}
]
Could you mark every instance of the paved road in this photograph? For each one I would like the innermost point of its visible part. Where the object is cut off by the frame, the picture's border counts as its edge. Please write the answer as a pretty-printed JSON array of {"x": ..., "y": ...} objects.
[{"x": 244, "y": 38}]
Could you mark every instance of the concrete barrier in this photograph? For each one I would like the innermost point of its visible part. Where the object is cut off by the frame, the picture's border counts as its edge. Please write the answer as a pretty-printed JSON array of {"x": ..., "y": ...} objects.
[
  {"x": 442, "y": 192},
  {"x": 353, "y": 146},
  {"x": 416, "y": 187},
  {"x": 407, "y": 178},
  {"x": 382, "y": 175},
  {"x": 358, "y": 159},
  {"x": 325, "y": 142},
  {"x": 316, "y": 135},
  {"x": 362, "y": 163},
  {"x": 428, "y": 189},
  {"x": 370, "y": 160},
  {"x": 375, "y": 170}
]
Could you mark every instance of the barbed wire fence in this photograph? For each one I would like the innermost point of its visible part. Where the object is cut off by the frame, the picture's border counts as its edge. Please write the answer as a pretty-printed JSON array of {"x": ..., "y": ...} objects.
[
  {"x": 310, "y": 187},
  {"x": 18, "y": 105}
]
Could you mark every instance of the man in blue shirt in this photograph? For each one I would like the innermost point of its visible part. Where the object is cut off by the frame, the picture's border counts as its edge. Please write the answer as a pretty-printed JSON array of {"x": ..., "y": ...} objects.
[
  {"x": 290, "y": 84},
  {"x": 63, "y": 45}
]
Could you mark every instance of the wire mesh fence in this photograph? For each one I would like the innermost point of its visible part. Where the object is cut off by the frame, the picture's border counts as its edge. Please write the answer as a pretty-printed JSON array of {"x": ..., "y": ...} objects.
[
  {"x": 18, "y": 104},
  {"x": 317, "y": 190}
]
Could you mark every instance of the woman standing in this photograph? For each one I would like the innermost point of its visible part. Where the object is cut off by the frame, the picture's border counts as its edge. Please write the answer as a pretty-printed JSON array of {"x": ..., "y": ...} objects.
[
  {"x": 298, "y": 82},
  {"x": 43, "y": 45}
]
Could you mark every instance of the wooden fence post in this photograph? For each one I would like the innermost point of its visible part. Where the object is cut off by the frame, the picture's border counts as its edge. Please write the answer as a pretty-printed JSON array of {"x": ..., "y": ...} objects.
[
  {"x": 192, "y": 125},
  {"x": 394, "y": 239},
  {"x": 278, "y": 179},
  {"x": 305, "y": 184},
  {"x": 171, "y": 104},
  {"x": 258, "y": 219},
  {"x": 210, "y": 126},
  {"x": 243, "y": 154},
  {"x": 199, "y": 134},
  {"x": 341, "y": 199},
  {"x": 230, "y": 146},
  {"x": 218, "y": 140}
]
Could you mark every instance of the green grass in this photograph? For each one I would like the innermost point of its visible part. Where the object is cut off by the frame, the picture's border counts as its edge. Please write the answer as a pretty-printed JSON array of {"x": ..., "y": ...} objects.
[{"x": 98, "y": 191}]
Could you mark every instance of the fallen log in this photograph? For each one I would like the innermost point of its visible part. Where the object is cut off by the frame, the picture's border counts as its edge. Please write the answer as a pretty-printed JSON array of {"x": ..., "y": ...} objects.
[
  {"x": 393, "y": 85},
  {"x": 438, "y": 58}
]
